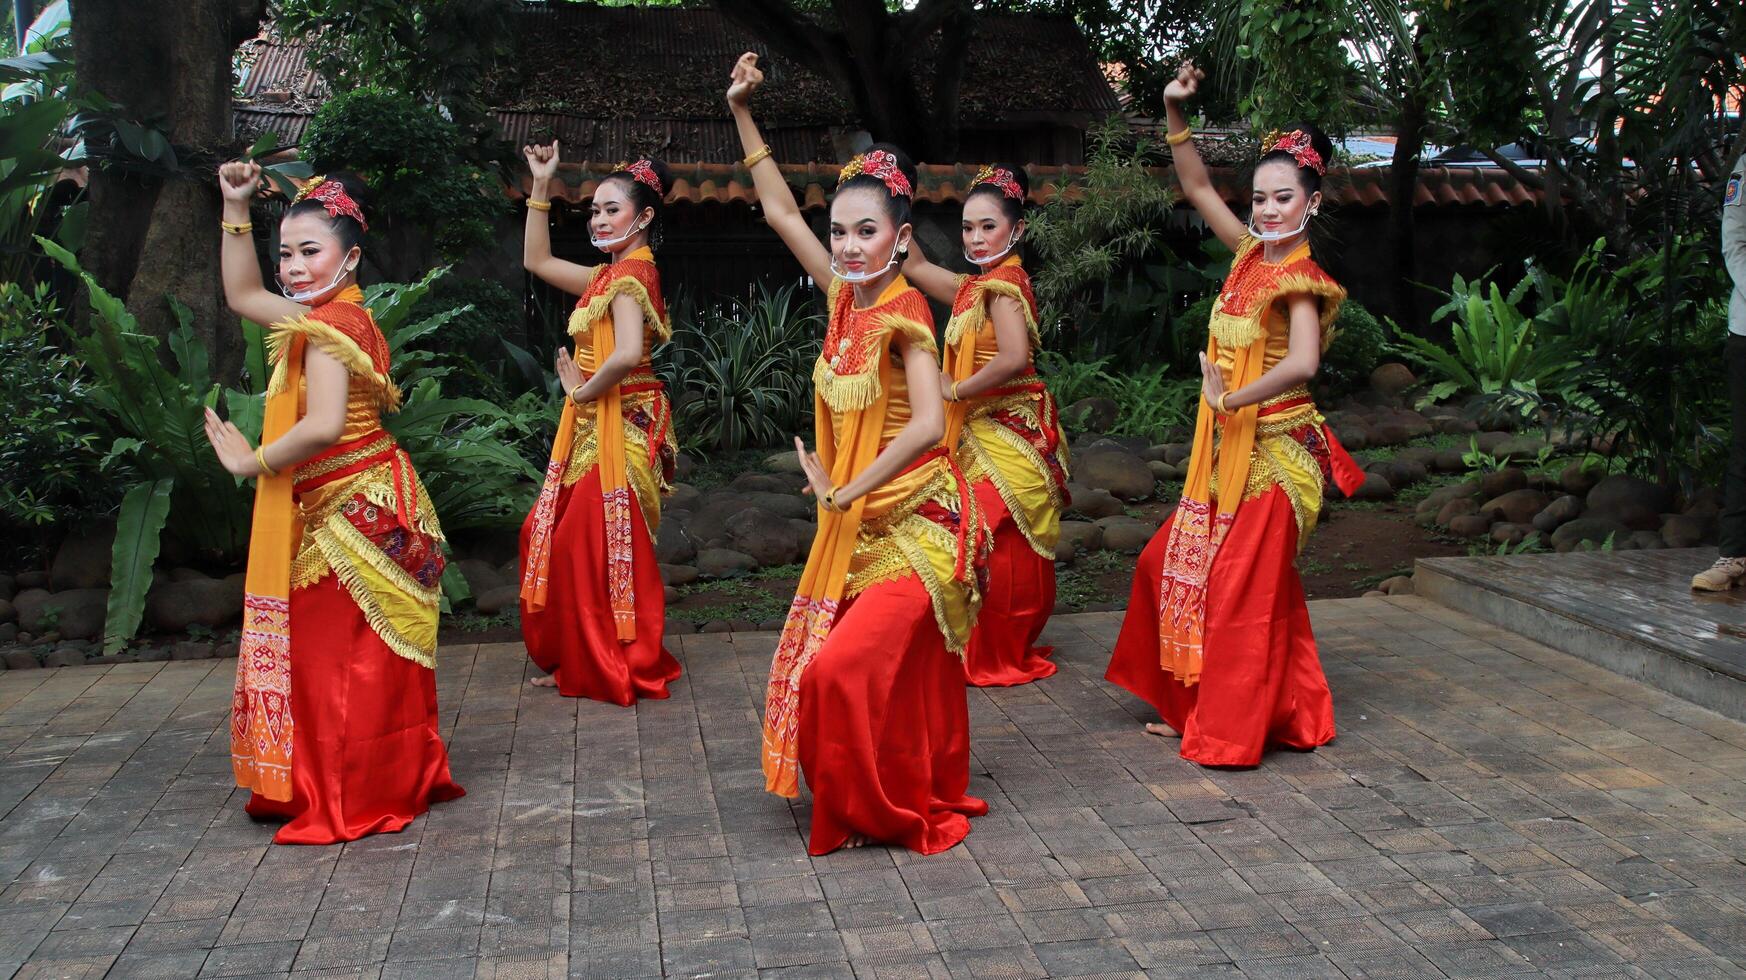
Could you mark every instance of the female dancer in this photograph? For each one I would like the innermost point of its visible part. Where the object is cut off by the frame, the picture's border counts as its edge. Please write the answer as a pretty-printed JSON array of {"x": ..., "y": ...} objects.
[
  {"x": 593, "y": 608},
  {"x": 1218, "y": 586},
  {"x": 865, "y": 697},
  {"x": 334, "y": 724},
  {"x": 1003, "y": 427}
]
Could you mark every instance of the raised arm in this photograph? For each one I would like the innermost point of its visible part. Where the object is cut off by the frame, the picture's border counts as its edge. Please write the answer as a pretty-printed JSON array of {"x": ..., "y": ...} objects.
[
  {"x": 774, "y": 194},
  {"x": 938, "y": 284},
  {"x": 536, "y": 239},
  {"x": 244, "y": 292},
  {"x": 1191, "y": 172}
]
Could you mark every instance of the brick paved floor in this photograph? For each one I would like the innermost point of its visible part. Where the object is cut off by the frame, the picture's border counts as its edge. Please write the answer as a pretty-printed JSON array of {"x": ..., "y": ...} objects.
[{"x": 1491, "y": 808}]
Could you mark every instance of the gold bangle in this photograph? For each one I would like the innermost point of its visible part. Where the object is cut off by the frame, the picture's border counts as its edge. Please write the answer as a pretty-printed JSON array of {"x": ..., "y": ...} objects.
[
  {"x": 952, "y": 390},
  {"x": 1179, "y": 137},
  {"x": 1222, "y": 409},
  {"x": 576, "y": 389},
  {"x": 261, "y": 460},
  {"x": 539, "y": 205},
  {"x": 756, "y": 155},
  {"x": 237, "y": 229},
  {"x": 829, "y": 500}
]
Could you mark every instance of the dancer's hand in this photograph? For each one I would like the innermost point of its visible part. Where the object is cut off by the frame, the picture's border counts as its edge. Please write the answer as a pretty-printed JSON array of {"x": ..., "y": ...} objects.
[
  {"x": 542, "y": 161},
  {"x": 1186, "y": 84},
  {"x": 1212, "y": 383},
  {"x": 238, "y": 180},
  {"x": 233, "y": 449},
  {"x": 745, "y": 80},
  {"x": 948, "y": 387},
  {"x": 818, "y": 482},
  {"x": 569, "y": 375}
]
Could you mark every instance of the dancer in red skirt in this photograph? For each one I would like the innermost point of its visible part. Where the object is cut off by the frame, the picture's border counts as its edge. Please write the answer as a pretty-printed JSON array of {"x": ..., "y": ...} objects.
[
  {"x": 1003, "y": 426},
  {"x": 334, "y": 722},
  {"x": 1217, "y": 635},
  {"x": 866, "y": 697},
  {"x": 593, "y": 607}
]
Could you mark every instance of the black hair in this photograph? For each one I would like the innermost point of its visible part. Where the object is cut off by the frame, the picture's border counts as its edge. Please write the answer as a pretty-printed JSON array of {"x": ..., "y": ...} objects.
[
  {"x": 345, "y": 227},
  {"x": 1306, "y": 176},
  {"x": 898, "y": 207},
  {"x": 643, "y": 196},
  {"x": 1013, "y": 209}
]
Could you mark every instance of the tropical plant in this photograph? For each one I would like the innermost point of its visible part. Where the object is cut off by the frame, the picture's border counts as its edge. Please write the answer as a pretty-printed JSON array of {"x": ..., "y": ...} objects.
[
  {"x": 50, "y": 457},
  {"x": 1497, "y": 350},
  {"x": 34, "y": 110},
  {"x": 741, "y": 373},
  {"x": 1148, "y": 401}
]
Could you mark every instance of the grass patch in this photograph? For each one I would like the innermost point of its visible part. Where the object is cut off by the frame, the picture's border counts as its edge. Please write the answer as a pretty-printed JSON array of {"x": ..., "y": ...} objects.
[
  {"x": 477, "y": 622},
  {"x": 1080, "y": 584},
  {"x": 744, "y": 598}
]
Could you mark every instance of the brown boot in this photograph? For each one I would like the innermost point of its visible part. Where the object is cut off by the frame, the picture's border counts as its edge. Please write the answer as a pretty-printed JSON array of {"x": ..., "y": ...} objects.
[{"x": 1725, "y": 574}]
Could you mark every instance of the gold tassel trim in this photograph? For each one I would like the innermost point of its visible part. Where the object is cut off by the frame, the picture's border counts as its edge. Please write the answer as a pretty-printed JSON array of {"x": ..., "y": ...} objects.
[
  {"x": 972, "y": 319},
  {"x": 334, "y": 343},
  {"x": 339, "y": 556},
  {"x": 582, "y": 317}
]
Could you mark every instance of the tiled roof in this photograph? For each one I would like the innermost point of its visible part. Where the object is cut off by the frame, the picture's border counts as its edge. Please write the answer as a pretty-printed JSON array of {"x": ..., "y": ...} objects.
[{"x": 723, "y": 183}]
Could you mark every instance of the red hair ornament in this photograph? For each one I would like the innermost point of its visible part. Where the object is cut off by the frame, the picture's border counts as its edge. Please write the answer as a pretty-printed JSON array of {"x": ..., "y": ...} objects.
[
  {"x": 1297, "y": 143},
  {"x": 334, "y": 199},
  {"x": 881, "y": 166},
  {"x": 1001, "y": 178}
]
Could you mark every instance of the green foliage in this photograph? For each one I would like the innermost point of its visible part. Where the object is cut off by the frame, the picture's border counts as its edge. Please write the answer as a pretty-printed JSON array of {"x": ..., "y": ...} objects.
[
  {"x": 1358, "y": 346},
  {"x": 1100, "y": 280},
  {"x": 741, "y": 375},
  {"x": 1496, "y": 347},
  {"x": 35, "y": 108},
  {"x": 411, "y": 158},
  {"x": 49, "y": 454},
  {"x": 1148, "y": 401},
  {"x": 1296, "y": 57},
  {"x": 486, "y": 312},
  {"x": 138, "y": 535}
]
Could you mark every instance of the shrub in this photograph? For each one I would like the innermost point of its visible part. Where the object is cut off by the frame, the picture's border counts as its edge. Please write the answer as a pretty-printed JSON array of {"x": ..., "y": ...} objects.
[
  {"x": 741, "y": 375},
  {"x": 50, "y": 454},
  {"x": 1357, "y": 347}
]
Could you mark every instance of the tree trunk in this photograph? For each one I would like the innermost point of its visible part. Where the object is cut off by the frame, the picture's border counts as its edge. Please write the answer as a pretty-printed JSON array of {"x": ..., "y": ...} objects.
[
  {"x": 1402, "y": 223},
  {"x": 168, "y": 63}
]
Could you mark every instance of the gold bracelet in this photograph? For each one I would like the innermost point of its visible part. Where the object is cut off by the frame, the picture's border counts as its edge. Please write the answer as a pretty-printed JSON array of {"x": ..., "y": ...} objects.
[
  {"x": 756, "y": 155},
  {"x": 829, "y": 500},
  {"x": 952, "y": 390},
  {"x": 1179, "y": 137},
  {"x": 237, "y": 229},
  {"x": 1222, "y": 409},
  {"x": 261, "y": 460},
  {"x": 576, "y": 389},
  {"x": 539, "y": 205}
]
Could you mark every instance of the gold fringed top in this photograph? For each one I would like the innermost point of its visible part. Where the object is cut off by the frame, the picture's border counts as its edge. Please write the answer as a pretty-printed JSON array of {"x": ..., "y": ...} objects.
[
  {"x": 1251, "y": 304},
  {"x": 970, "y": 306},
  {"x": 847, "y": 373}
]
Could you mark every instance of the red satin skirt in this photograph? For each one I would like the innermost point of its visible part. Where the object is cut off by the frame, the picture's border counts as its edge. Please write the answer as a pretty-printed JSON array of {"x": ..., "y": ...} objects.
[
  {"x": 573, "y": 637},
  {"x": 1261, "y": 680},
  {"x": 1015, "y": 606},
  {"x": 885, "y": 727},
  {"x": 365, "y": 754}
]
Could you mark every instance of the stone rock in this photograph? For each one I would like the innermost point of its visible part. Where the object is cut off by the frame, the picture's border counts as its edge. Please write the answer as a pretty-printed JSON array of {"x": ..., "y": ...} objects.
[
  {"x": 707, "y": 526},
  {"x": 1558, "y": 513},
  {"x": 804, "y": 532},
  {"x": 1588, "y": 528},
  {"x": 684, "y": 466},
  {"x": 670, "y": 594},
  {"x": 783, "y": 504},
  {"x": 1520, "y": 448},
  {"x": 765, "y": 482},
  {"x": 684, "y": 497},
  {"x": 8, "y": 632},
  {"x": 1388, "y": 432},
  {"x": 1157, "y": 454},
  {"x": 1391, "y": 379},
  {"x": 1510, "y": 533},
  {"x": 1398, "y": 585},
  {"x": 8, "y": 586},
  {"x": 1404, "y": 472},
  {"x": 1705, "y": 502},
  {"x": 1123, "y": 474},
  {"x": 1081, "y": 536},
  {"x": 716, "y": 626},
  {"x": 1448, "y": 461},
  {"x": 111, "y": 659},
  {"x": 1375, "y": 487},
  {"x": 77, "y": 614},
  {"x": 1499, "y": 482},
  {"x": 33, "y": 579},
  {"x": 1647, "y": 540},
  {"x": 1632, "y": 501},
  {"x": 1517, "y": 506},
  {"x": 1579, "y": 479},
  {"x": 213, "y": 603},
  {"x": 1095, "y": 504},
  {"x": 1374, "y": 594},
  {"x": 1177, "y": 453},
  {"x": 672, "y": 545},
  {"x": 784, "y": 462},
  {"x": 65, "y": 657},
  {"x": 1489, "y": 442},
  {"x": 1091, "y": 414},
  {"x": 767, "y": 538},
  {"x": 1132, "y": 445},
  {"x": 771, "y": 625},
  {"x": 82, "y": 560},
  {"x": 177, "y": 575},
  {"x": 191, "y": 650},
  {"x": 481, "y": 576},
  {"x": 1163, "y": 471},
  {"x": 8, "y": 614},
  {"x": 679, "y": 627},
  {"x": 494, "y": 600},
  {"x": 1457, "y": 507},
  {"x": 1064, "y": 551},
  {"x": 722, "y": 562},
  {"x": 1471, "y": 525},
  {"x": 742, "y": 626},
  {"x": 1437, "y": 498},
  {"x": 1355, "y": 436},
  {"x": 1126, "y": 535},
  {"x": 678, "y": 574},
  {"x": 1686, "y": 530},
  {"x": 20, "y": 660}
]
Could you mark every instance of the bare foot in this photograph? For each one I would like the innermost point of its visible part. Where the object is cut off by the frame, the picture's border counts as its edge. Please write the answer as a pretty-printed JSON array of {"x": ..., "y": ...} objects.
[
  {"x": 1162, "y": 730},
  {"x": 857, "y": 840},
  {"x": 544, "y": 680}
]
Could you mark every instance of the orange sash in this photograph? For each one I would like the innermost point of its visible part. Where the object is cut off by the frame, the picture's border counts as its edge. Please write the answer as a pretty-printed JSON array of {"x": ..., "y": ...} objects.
[{"x": 261, "y": 724}]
